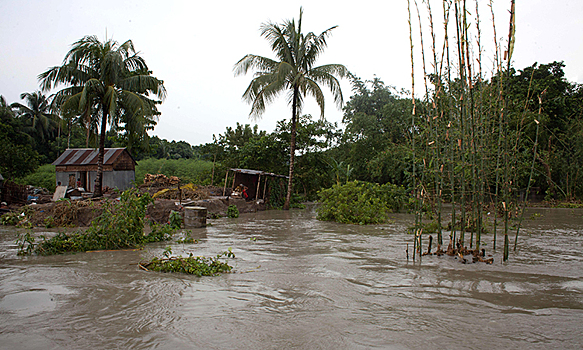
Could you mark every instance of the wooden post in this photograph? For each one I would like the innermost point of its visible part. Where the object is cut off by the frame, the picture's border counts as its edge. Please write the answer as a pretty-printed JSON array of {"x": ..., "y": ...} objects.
[
  {"x": 226, "y": 178},
  {"x": 257, "y": 188},
  {"x": 234, "y": 178}
]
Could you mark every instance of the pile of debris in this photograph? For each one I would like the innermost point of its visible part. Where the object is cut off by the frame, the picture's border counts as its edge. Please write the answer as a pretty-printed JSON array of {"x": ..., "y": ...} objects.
[
  {"x": 161, "y": 180},
  {"x": 186, "y": 192}
]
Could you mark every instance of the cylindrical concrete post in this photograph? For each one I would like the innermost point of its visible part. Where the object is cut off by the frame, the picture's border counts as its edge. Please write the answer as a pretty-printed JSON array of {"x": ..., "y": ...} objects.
[{"x": 194, "y": 217}]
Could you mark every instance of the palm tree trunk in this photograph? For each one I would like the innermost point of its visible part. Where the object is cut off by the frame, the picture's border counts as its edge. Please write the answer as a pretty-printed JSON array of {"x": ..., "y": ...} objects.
[
  {"x": 97, "y": 191},
  {"x": 292, "y": 152},
  {"x": 69, "y": 133}
]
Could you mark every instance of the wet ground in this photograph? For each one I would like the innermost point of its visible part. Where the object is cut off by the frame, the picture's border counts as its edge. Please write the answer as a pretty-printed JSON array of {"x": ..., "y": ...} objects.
[{"x": 302, "y": 284}]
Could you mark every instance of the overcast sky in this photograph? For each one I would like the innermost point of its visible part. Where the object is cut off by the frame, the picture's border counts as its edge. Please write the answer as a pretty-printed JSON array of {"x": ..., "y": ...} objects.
[{"x": 193, "y": 45}]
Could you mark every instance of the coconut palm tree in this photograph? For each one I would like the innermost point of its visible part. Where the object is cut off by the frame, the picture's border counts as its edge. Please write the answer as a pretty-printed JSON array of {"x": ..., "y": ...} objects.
[
  {"x": 293, "y": 71},
  {"x": 104, "y": 80},
  {"x": 37, "y": 115}
]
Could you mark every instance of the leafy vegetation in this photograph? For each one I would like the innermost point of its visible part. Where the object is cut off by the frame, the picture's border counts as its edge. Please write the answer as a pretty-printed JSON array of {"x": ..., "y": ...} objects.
[
  {"x": 363, "y": 203},
  {"x": 232, "y": 211},
  {"x": 175, "y": 219},
  {"x": 17, "y": 218},
  {"x": 194, "y": 265}
]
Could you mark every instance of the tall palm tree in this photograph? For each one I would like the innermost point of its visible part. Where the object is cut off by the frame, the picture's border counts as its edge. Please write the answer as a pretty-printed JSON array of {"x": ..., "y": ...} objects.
[
  {"x": 37, "y": 115},
  {"x": 293, "y": 71},
  {"x": 104, "y": 80}
]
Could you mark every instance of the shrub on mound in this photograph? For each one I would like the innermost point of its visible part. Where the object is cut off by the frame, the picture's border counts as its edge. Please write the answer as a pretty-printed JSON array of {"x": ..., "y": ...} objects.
[
  {"x": 120, "y": 226},
  {"x": 358, "y": 202}
]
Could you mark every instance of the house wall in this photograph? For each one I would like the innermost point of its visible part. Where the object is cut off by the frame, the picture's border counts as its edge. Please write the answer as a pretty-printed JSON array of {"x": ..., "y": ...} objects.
[
  {"x": 113, "y": 179},
  {"x": 118, "y": 179}
]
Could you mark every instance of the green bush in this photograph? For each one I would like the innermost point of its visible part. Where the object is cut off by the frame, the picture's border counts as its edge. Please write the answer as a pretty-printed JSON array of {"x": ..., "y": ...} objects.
[
  {"x": 232, "y": 211},
  {"x": 358, "y": 202}
]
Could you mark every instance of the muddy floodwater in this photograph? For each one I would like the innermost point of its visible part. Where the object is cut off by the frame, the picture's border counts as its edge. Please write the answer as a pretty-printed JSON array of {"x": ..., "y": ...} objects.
[{"x": 302, "y": 284}]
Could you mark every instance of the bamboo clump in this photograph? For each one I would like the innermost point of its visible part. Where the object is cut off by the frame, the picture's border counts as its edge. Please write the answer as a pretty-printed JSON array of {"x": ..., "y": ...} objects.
[{"x": 462, "y": 147}]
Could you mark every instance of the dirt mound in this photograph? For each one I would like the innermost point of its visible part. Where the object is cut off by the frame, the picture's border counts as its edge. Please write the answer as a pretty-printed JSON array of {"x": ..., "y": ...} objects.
[
  {"x": 160, "y": 210},
  {"x": 64, "y": 213}
]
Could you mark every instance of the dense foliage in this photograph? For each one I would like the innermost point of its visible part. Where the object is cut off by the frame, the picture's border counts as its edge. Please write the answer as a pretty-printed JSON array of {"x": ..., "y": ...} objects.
[{"x": 363, "y": 203}]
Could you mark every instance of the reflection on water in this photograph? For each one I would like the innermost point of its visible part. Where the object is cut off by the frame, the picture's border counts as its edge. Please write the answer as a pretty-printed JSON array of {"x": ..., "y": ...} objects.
[{"x": 300, "y": 283}]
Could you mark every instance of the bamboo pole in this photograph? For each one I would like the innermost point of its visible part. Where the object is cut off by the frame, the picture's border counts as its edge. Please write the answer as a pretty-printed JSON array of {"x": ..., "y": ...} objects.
[
  {"x": 540, "y": 103},
  {"x": 498, "y": 67},
  {"x": 506, "y": 175},
  {"x": 226, "y": 178},
  {"x": 417, "y": 221}
]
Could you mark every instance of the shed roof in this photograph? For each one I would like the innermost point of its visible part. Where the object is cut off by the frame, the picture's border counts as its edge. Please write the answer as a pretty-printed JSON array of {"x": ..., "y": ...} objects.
[
  {"x": 88, "y": 156},
  {"x": 256, "y": 172}
]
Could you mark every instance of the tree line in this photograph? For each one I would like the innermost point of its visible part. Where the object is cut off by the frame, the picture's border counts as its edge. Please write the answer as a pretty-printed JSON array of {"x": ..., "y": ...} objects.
[
  {"x": 107, "y": 83},
  {"x": 372, "y": 143}
]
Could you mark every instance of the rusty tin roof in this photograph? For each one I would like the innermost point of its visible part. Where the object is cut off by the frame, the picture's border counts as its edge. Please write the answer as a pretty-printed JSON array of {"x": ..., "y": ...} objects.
[{"x": 88, "y": 156}]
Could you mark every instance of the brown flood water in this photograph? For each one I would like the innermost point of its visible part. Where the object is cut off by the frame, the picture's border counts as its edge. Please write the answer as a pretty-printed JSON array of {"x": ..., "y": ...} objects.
[{"x": 302, "y": 284}]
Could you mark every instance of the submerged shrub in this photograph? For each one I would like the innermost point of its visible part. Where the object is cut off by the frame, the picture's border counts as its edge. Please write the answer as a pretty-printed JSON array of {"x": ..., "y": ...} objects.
[
  {"x": 358, "y": 202},
  {"x": 194, "y": 265},
  {"x": 232, "y": 211}
]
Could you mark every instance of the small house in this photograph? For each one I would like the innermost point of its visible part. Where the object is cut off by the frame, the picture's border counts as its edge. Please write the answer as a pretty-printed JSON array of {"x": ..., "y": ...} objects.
[{"x": 77, "y": 168}]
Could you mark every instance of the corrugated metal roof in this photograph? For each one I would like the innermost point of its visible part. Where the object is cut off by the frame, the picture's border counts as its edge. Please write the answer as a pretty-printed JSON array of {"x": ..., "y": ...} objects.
[
  {"x": 256, "y": 172},
  {"x": 88, "y": 156}
]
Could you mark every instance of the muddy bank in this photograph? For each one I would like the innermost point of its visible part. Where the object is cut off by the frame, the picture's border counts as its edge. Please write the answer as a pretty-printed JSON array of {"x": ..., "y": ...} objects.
[{"x": 80, "y": 213}]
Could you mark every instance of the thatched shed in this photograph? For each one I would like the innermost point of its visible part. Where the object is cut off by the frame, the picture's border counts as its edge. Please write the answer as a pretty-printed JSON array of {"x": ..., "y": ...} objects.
[
  {"x": 254, "y": 180},
  {"x": 77, "y": 167}
]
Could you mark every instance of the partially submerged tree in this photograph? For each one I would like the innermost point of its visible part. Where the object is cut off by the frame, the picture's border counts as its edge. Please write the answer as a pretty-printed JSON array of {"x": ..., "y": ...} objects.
[
  {"x": 105, "y": 80},
  {"x": 293, "y": 71}
]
